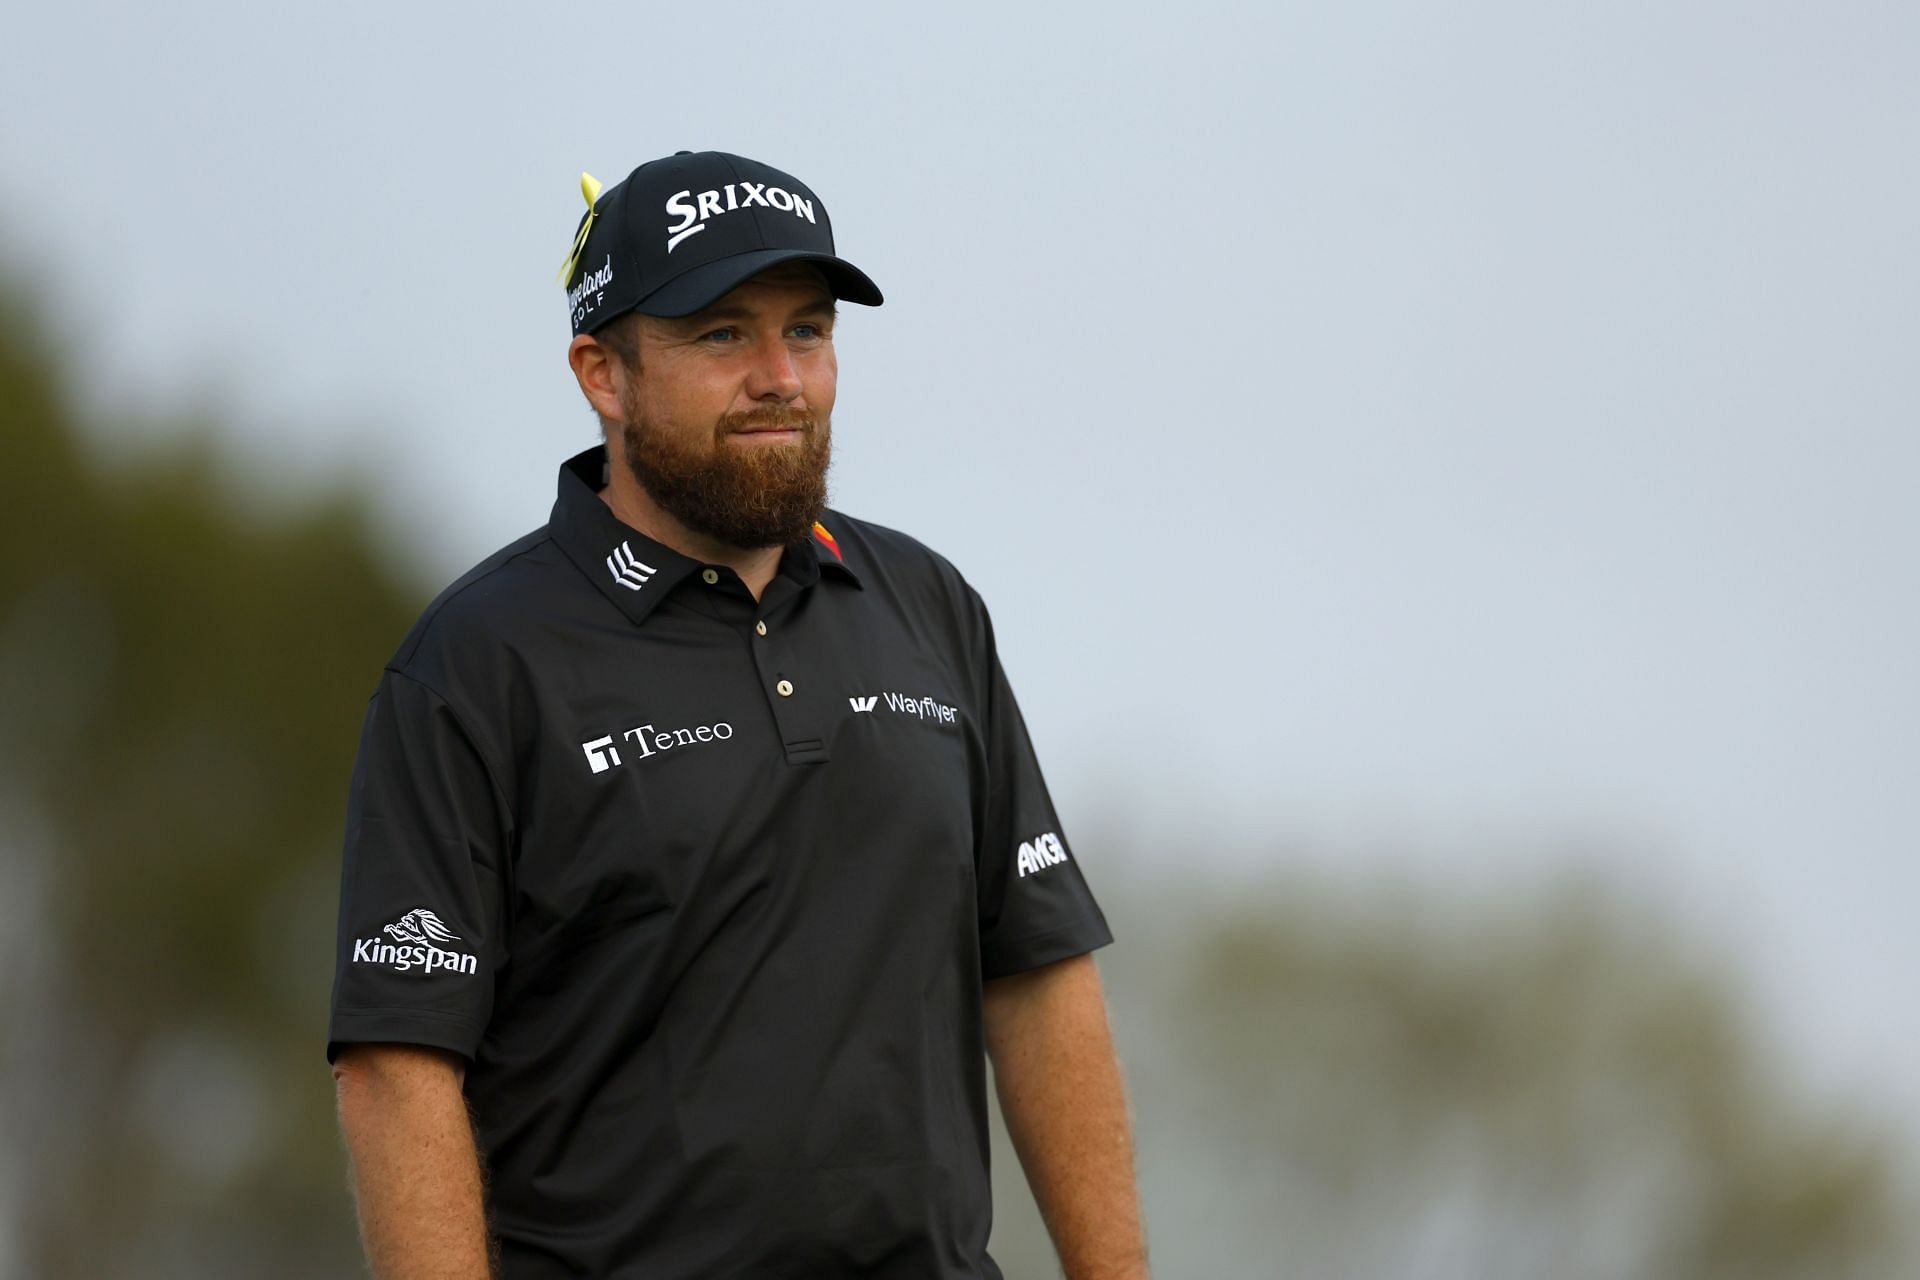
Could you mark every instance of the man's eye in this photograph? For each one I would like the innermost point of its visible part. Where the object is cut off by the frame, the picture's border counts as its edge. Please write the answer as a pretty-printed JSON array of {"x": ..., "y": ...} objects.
[
  {"x": 809, "y": 331},
  {"x": 719, "y": 336}
]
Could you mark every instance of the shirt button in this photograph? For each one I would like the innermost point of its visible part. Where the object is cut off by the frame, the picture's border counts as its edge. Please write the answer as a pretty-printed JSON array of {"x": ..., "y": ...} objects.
[
  {"x": 786, "y": 688},
  {"x": 760, "y": 627},
  {"x": 709, "y": 577}
]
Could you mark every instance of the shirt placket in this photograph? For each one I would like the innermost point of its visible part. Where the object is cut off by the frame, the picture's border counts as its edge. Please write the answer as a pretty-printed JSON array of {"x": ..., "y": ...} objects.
[{"x": 793, "y": 685}]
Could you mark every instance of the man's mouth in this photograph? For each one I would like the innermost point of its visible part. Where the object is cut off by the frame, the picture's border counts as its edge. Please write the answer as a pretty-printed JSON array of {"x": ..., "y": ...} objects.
[{"x": 775, "y": 431}]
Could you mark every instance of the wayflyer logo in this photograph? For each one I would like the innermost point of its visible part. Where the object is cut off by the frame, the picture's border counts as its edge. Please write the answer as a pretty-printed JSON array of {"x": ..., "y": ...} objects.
[
  {"x": 931, "y": 710},
  {"x": 416, "y": 938}
]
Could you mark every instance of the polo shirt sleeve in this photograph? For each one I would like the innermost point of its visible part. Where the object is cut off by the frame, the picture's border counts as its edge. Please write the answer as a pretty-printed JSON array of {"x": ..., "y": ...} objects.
[
  {"x": 1035, "y": 906},
  {"x": 420, "y": 927}
]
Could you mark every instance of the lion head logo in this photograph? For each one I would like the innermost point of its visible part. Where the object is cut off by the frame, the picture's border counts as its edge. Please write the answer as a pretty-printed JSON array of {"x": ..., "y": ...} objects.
[{"x": 421, "y": 925}]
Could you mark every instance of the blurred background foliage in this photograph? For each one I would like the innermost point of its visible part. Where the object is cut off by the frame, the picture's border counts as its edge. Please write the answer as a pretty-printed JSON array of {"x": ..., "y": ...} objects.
[{"x": 1327, "y": 1084}]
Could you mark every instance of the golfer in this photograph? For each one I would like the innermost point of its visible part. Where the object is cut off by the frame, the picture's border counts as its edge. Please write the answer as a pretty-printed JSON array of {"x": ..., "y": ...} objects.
[{"x": 697, "y": 858}]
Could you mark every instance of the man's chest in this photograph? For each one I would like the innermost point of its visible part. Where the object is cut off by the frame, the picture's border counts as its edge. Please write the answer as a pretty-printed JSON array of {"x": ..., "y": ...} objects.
[{"x": 694, "y": 764}]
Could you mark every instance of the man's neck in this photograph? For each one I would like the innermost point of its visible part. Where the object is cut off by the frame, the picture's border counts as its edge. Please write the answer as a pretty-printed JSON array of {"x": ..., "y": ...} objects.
[{"x": 635, "y": 507}]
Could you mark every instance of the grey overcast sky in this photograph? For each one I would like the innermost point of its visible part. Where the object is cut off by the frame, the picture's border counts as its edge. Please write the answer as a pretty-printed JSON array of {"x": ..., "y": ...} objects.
[{"x": 1454, "y": 441}]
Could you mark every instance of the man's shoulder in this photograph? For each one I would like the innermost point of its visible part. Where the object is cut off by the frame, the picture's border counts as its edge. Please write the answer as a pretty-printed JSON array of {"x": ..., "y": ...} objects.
[
  {"x": 888, "y": 551},
  {"x": 920, "y": 582},
  {"x": 476, "y": 612}
]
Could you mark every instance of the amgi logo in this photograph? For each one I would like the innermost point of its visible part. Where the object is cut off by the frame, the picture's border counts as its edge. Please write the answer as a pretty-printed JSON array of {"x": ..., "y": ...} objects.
[{"x": 1039, "y": 853}]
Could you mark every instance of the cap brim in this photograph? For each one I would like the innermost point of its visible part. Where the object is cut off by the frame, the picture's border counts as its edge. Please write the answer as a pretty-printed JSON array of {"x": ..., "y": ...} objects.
[{"x": 703, "y": 286}]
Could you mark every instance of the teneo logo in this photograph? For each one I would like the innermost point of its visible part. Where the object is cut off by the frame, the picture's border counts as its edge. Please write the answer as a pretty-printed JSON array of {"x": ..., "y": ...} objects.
[
  {"x": 603, "y": 755},
  {"x": 627, "y": 570},
  {"x": 415, "y": 937},
  {"x": 1041, "y": 852},
  {"x": 600, "y": 753},
  {"x": 693, "y": 211}
]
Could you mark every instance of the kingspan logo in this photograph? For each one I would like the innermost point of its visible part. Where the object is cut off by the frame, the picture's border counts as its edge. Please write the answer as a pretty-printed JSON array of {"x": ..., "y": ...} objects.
[{"x": 416, "y": 936}]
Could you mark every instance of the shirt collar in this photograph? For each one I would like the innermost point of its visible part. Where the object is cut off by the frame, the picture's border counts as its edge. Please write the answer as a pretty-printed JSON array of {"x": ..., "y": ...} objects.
[
  {"x": 827, "y": 552},
  {"x": 631, "y": 569}
]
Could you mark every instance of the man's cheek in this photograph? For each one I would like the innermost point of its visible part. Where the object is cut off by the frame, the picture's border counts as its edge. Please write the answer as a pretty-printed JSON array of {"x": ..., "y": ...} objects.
[{"x": 821, "y": 382}]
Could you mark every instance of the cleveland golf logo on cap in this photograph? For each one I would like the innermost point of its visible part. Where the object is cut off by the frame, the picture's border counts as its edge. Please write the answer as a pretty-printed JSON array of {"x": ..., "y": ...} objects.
[
  {"x": 592, "y": 283},
  {"x": 693, "y": 211}
]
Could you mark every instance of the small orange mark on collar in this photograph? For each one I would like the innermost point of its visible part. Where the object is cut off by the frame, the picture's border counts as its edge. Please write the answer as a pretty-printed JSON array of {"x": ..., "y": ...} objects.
[{"x": 826, "y": 539}]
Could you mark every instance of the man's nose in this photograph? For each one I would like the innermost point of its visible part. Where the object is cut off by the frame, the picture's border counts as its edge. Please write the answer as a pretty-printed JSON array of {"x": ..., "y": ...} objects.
[{"x": 773, "y": 375}]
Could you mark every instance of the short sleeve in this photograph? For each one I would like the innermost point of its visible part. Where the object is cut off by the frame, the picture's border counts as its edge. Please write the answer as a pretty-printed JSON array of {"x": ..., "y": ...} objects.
[
  {"x": 1035, "y": 906},
  {"x": 421, "y": 879}
]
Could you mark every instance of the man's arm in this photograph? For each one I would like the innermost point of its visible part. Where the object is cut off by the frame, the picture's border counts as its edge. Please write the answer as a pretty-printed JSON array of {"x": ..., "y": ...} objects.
[
  {"x": 416, "y": 1170},
  {"x": 1060, "y": 1091}
]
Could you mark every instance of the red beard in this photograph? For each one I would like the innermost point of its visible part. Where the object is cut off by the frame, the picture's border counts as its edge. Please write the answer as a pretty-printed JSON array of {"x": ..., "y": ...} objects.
[{"x": 748, "y": 497}]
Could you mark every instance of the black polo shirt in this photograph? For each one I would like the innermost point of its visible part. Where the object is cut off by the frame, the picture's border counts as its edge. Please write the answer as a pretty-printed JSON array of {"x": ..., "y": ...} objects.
[{"x": 705, "y": 890}]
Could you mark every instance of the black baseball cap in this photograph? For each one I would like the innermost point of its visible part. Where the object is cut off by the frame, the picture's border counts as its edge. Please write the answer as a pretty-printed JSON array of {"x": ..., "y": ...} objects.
[{"x": 679, "y": 232}]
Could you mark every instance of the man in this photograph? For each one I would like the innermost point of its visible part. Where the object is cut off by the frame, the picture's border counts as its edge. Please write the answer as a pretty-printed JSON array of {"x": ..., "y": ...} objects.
[{"x": 697, "y": 855}]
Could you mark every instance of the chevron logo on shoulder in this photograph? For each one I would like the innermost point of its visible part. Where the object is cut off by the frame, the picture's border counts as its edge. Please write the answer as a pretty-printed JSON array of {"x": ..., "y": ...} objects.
[{"x": 627, "y": 569}]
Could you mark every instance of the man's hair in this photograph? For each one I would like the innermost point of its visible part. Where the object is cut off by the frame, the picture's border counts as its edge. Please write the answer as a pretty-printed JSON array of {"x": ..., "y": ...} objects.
[{"x": 621, "y": 335}]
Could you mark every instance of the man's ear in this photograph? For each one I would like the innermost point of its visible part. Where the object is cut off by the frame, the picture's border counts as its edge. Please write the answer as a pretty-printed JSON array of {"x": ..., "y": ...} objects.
[{"x": 598, "y": 373}]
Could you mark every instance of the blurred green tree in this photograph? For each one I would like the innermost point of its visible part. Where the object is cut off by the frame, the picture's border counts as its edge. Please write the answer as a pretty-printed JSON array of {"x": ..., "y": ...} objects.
[
  {"x": 182, "y": 678},
  {"x": 1543, "y": 1087}
]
